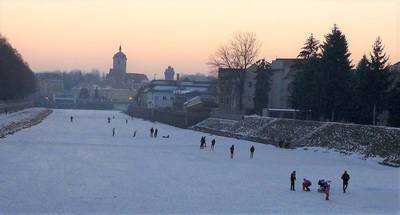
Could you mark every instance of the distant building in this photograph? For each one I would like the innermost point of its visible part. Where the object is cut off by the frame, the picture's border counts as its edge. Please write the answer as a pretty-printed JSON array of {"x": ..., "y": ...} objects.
[
  {"x": 169, "y": 73},
  {"x": 232, "y": 97},
  {"x": 283, "y": 73},
  {"x": 167, "y": 94},
  {"x": 395, "y": 67},
  {"x": 47, "y": 87},
  {"x": 118, "y": 78},
  {"x": 105, "y": 93},
  {"x": 235, "y": 96}
]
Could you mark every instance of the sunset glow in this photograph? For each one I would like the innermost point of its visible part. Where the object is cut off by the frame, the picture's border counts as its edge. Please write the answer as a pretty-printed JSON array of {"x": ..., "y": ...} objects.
[{"x": 84, "y": 34}]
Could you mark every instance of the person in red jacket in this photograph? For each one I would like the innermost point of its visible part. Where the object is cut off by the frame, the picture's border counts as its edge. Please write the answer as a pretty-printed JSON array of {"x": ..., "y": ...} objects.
[
  {"x": 306, "y": 185},
  {"x": 327, "y": 190}
]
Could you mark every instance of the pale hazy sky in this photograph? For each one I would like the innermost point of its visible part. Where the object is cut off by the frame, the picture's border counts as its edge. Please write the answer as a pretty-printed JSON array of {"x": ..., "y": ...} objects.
[{"x": 84, "y": 34}]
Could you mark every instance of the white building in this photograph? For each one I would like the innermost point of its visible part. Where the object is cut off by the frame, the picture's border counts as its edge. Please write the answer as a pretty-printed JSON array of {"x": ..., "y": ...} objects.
[
  {"x": 283, "y": 74},
  {"x": 165, "y": 94}
]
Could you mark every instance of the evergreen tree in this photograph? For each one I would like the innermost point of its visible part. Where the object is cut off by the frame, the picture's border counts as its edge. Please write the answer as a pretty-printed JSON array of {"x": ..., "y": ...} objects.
[
  {"x": 378, "y": 81},
  {"x": 394, "y": 104},
  {"x": 305, "y": 91},
  {"x": 335, "y": 76},
  {"x": 262, "y": 85},
  {"x": 363, "y": 109},
  {"x": 310, "y": 48},
  {"x": 305, "y": 87},
  {"x": 96, "y": 93},
  {"x": 16, "y": 78}
]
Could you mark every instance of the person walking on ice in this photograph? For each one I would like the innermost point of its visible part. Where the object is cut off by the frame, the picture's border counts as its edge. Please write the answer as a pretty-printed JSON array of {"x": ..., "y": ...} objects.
[
  {"x": 113, "y": 132},
  {"x": 71, "y": 118},
  {"x": 292, "y": 180},
  {"x": 151, "y": 131},
  {"x": 212, "y": 144},
  {"x": 232, "y": 150},
  {"x": 134, "y": 134},
  {"x": 252, "y": 150},
  {"x": 126, "y": 121},
  {"x": 108, "y": 119},
  {"x": 345, "y": 178},
  {"x": 155, "y": 133},
  {"x": 202, "y": 140}
]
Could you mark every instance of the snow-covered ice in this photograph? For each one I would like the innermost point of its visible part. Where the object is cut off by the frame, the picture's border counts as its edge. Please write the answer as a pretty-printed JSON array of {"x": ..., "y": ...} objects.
[{"x": 62, "y": 167}]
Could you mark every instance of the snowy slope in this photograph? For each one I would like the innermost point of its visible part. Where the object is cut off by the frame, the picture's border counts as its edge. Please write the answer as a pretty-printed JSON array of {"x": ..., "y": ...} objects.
[
  {"x": 63, "y": 167},
  {"x": 19, "y": 116}
]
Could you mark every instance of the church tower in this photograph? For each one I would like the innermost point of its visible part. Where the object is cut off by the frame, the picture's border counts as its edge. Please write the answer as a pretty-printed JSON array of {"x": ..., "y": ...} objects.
[
  {"x": 119, "y": 62},
  {"x": 169, "y": 73}
]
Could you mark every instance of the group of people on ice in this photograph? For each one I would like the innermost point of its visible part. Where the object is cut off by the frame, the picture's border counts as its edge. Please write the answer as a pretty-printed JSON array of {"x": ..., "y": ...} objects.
[
  {"x": 232, "y": 150},
  {"x": 324, "y": 185},
  {"x": 203, "y": 145},
  {"x": 153, "y": 132}
]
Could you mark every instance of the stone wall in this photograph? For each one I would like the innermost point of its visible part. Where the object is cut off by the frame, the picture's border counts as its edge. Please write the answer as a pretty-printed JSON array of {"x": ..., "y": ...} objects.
[{"x": 369, "y": 141}]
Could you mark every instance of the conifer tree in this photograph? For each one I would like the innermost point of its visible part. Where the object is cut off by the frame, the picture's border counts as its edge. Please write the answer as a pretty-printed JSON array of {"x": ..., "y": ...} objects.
[
  {"x": 262, "y": 85},
  {"x": 363, "y": 109},
  {"x": 335, "y": 76},
  {"x": 16, "y": 78},
  {"x": 378, "y": 80},
  {"x": 310, "y": 48},
  {"x": 305, "y": 87}
]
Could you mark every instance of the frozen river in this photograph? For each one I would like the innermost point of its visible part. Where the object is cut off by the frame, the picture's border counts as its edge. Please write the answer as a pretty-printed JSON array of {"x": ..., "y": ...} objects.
[{"x": 63, "y": 167}]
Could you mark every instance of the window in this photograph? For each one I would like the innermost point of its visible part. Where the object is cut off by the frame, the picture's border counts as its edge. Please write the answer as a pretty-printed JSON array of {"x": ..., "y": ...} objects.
[
  {"x": 164, "y": 98},
  {"x": 250, "y": 84}
]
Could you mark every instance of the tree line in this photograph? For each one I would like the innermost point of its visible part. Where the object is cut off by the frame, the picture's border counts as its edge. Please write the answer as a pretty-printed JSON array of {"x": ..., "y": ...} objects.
[
  {"x": 73, "y": 78},
  {"x": 17, "y": 80},
  {"x": 329, "y": 87}
]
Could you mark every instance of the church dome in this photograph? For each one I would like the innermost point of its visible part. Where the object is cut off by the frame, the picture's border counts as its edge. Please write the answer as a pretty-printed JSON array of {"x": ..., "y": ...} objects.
[{"x": 120, "y": 54}]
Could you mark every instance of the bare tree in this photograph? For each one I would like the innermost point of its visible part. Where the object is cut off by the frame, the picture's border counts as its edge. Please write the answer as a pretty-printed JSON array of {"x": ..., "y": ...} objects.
[{"x": 239, "y": 53}]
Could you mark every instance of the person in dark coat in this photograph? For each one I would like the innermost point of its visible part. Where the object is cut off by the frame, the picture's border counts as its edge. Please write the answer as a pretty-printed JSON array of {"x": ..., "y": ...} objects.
[
  {"x": 155, "y": 132},
  {"x": 202, "y": 140},
  {"x": 292, "y": 180},
  {"x": 113, "y": 132},
  {"x": 151, "y": 131},
  {"x": 126, "y": 121},
  {"x": 71, "y": 118},
  {"x": 212, "y": 144},
  {"x": 108, "y": 119},
  {"x": 232, "y": 149},
  {"x": 252, "y": 149},
  {"x": 345, "y": 178},
  {"x": 134, "y": 134}
]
